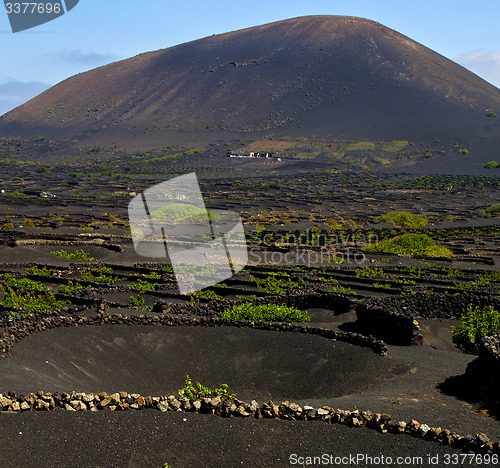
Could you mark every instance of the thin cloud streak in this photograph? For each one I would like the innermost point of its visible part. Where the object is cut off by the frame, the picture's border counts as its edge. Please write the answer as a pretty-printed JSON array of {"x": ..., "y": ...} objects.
[{"x": 90, "y": 59}]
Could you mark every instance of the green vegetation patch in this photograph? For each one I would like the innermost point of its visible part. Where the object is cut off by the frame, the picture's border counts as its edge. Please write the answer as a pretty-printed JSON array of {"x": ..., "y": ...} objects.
[
  {"x": 475, "y": 325},
  {"x": 11, "y": 280},
  {"x": 7, "y": 226},
  {"x": 394, "y": 146},
  {"x": 44, "y": 271},
  {"x": 102, "y": 278},
  {"x": 206, "y": 294},
  {"x": 69, "y": 288},
  {"x": 278, "y": 283},
  {"x": 266, "y": 312},
  {"x": 137, "y": 301},
  {"x": 78, "y": 255},
  {"x": 410, "y": 245},
  {"x": 494, "y": 208},
  {"x": 177, "y": 212},
  {"x": 403, "y": 219},
  {"x": 31, "y": 301},
  {"x": 196, "y": 391},
  {"x": 143, "y": 285},
  {"x": 361, "y": 146},
  {"x": 364, "y": 272}
]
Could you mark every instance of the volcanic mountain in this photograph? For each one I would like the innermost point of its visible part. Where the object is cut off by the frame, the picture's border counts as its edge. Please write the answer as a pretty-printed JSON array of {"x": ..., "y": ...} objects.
[{"x": 334, "y": 77}]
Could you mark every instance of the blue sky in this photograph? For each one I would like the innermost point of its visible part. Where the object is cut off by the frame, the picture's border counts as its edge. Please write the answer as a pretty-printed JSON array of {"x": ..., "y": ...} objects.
[{"x": 96, "y": 32}]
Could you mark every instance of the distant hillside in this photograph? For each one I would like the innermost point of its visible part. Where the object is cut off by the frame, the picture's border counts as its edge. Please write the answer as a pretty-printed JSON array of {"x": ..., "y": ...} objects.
[{"x": 333, "y": 77}]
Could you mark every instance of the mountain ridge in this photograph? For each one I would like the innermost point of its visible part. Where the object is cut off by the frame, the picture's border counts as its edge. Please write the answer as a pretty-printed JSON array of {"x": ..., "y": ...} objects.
[{"x": 332, "y": 76}]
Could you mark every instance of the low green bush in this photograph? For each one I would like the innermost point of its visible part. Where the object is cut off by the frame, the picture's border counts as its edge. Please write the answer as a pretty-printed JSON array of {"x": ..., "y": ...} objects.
[
  {"x": 143, "y": 285},
  {"x": 31, "y": 301},
  {"x": 206, "y": 294},
  {"x": 28, "y": 223},
  {"x": 69, "y": 288},
  {"x": 11, "y": 280},
  {"x": 44, "y": 271},
  {"x": 137, "y": 301},
  {"x": 277, "y": 283},
  {"x": 266, "y": 312},
  {"x": 367, "y": 272},
  {"x": 494, "y": 208},
  {"x": 197, "y": 391},
  {"x": 403, "y": 219},
  {"x": 410, "y": 245},
  {"x": 7, "y": 226},
  {"x": 78, "y": 255},
  {"x": 105, "y": 279},
  {"x": 476, "y": 324}
]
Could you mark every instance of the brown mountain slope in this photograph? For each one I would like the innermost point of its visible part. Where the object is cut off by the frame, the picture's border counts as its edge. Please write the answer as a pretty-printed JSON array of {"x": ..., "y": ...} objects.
[{"x": 332, "y": 76}]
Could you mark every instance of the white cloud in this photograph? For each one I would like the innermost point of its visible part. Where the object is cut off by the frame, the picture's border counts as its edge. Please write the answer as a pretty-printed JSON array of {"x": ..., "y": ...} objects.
[
  {"x": 13, "y": 93},
  {"x": 91, "y": 59},
  {"x": 484, "y": 63}
]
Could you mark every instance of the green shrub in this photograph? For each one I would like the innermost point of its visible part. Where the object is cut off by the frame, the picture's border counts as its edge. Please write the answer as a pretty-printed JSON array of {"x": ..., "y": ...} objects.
[
  {"x": 207, "y": 294},
  {"x": 69, "y": 288},
  {"x": 361, "y": 146},
  {"x": 476, "y": 324},
  {"x": 494, "y": 208},
  {"x": 410, "y": 245},
  {"x": 7, "y": 226},
  {"x": 153, "y": 275},
  {"x": 44, "y": 271},
  {"x": 367, "y": 271},
  {"x": 143, "y": 285},
  {"x": 176, "y": 212},
  {"x": 267, "y": 312},
  {"x": 484, "y": 280},
  {"x": 464, "y": 151},
  {"x": 276, "y": 283},
  {"x": 11, "y": 280},
  {"x": 78, "y": 255},
  {"x": 403, "y": 219},
  {"x": 31, "y": 301},
  {"x": 342, "y": 290},
  {"x": 105, "y": 279},
  {"x": 197, "y": 391},
  {"x": 491, "y": 165},
  {"x": 492, "y": 115},
  {"x": 28, "y": 223},
  {"x": 137, "y": 301}
]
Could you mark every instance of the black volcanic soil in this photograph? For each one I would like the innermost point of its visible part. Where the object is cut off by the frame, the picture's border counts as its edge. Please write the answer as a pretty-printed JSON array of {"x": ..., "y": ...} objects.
[
  {"x": 330, "y": 76},
  {"x": 186, "y": 440},
  {"x": 155, "y": 360}
]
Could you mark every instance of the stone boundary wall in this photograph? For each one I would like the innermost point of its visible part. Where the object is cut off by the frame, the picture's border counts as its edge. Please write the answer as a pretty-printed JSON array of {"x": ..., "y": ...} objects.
[
  {"x": 395, "y": 319},
  {"x": 120, "y": 401},
  {"x": 484, "y": 372},
  {"x": 24, "y": 327}
]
